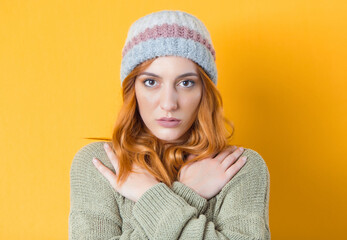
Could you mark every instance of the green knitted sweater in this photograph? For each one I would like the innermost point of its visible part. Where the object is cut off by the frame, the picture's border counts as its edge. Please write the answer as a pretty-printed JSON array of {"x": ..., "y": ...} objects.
[{"x": 239, "y": 211}]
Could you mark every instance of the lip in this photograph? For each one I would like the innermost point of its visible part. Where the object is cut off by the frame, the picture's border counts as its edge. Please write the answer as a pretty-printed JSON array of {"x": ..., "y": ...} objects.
[
  {"x": 168, "y": 119},
  {"x": 168, "y": 122}
]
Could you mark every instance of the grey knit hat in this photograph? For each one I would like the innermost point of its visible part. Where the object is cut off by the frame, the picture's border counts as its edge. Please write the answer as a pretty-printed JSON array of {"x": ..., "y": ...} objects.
[{"x": 168, "y": 32}]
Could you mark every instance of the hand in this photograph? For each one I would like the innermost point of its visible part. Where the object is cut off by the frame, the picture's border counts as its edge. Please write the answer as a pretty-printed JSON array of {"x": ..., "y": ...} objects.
[
  {"x": 207, "y": 177},
  {"x": 134, "y": 186}
]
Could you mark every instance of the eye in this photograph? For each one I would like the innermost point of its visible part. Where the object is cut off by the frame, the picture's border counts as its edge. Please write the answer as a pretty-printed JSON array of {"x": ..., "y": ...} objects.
[
  {"x": 149, "y": 82},
  {"x": 187, "y": 83}
]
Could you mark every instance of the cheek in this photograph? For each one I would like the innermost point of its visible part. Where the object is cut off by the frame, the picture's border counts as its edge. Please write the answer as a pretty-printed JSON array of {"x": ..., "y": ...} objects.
[
  {"x": 191, "y": 103},
  {"x": 146, "y": 102}
]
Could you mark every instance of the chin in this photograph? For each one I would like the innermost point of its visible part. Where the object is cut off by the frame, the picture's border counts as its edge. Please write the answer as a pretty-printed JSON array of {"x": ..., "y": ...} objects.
[
  {"x": 168, "y": 136},
  {"x": 164, "y": 138}
]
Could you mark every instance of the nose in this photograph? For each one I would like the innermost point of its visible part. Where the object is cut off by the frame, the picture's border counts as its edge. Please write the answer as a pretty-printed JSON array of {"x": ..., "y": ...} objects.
[{"x": 168, "y": 99}]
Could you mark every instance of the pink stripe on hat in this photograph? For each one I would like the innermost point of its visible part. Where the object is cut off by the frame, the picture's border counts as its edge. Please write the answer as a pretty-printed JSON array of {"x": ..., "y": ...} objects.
[{"x": 168, "y": 30}]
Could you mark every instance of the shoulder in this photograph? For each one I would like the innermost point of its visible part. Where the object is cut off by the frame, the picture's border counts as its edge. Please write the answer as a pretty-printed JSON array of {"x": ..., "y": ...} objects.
[
  {"x": 90, "y": 149},
  {"x": 255, "y": 165},
  {"x": 83, "y": 157},
  {"x": 82, "y": 168},
  {"x": 254, "y": 159},
  {"x": 253, "y": 172}
]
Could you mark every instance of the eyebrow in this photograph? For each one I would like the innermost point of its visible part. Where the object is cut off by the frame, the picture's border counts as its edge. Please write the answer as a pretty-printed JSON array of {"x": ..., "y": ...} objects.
[{"x": 180, "y": 76}]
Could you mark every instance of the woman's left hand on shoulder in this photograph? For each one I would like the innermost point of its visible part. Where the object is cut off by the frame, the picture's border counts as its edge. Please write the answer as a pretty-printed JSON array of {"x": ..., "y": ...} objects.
[
  {"x": 134, "y": 186},
  {"x": 208, "y": 176}
]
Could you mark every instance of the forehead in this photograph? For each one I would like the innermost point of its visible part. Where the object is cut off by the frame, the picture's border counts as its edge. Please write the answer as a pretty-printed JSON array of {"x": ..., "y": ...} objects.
[{"x": 171, "y": 65}]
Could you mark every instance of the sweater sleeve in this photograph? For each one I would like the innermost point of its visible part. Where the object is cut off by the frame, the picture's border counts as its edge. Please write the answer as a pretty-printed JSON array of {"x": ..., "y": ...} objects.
[
  {"x": 94, "y": 211},
  {"x": 241, "y": 210},
  {"x": 190, "y": 196}
]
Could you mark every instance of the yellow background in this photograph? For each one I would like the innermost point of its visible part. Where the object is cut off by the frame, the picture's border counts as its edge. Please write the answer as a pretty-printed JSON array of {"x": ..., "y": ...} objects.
[{"x": 281, "y": 71}]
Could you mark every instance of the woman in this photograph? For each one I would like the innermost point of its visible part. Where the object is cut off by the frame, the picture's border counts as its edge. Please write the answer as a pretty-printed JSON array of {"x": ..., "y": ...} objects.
[{"x": 168, "y": 172}]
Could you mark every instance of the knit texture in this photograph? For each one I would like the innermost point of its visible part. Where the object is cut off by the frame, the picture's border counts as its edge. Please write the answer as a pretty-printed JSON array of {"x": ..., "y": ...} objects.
[
  {"x": 239, "y": 211},
  {"x": 168, "y": 32}
]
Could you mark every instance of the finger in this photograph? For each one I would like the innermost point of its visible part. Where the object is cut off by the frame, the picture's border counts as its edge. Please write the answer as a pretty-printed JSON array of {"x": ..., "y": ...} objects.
[
  {"x": 220, "y": 157},
  {"x": 233, "y": 169},
  {"x": 112, "y": 156},
  {"x": 231, "y": 158},
  {"x": 105, "y": 171}
]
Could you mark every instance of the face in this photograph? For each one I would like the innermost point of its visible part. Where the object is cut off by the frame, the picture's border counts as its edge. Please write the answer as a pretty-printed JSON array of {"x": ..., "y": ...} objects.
[{"x": 169, "y": 85}]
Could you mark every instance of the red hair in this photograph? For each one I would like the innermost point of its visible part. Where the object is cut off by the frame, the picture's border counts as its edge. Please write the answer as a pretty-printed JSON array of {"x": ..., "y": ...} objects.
[{"x": 135, "y": 144}]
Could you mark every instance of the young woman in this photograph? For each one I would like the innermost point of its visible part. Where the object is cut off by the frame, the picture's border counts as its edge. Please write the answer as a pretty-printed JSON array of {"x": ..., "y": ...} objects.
[{"x": 168, "y": 171}]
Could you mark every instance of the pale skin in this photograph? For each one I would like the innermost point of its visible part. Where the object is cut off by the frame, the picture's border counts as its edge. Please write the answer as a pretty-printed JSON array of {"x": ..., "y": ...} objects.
[{"x": 171, "y": 84}]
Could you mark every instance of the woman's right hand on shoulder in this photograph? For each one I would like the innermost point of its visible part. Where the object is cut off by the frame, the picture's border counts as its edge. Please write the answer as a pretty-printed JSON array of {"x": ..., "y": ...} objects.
[{"x": 207, "y": 177}]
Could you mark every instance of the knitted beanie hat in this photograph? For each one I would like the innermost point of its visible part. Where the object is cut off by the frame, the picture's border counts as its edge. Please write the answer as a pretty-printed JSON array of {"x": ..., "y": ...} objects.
[{"x": 165, "y": 33}]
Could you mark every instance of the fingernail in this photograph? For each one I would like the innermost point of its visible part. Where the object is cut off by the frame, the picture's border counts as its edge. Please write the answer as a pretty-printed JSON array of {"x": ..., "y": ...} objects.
[
  {"x": 241, "y": 148},
  {"x": 244, "y": 158},
  {"x": 106, "y": 145},
  {"x": 94, "y": 160}
]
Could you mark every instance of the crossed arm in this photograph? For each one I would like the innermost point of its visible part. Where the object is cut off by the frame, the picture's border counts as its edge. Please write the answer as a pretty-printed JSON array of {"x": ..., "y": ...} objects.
[{"x": 98, "y": 212}]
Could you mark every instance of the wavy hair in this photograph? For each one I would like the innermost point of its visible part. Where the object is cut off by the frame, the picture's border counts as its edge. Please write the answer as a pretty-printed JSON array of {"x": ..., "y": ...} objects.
[{"x": 133, "y": 142}]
